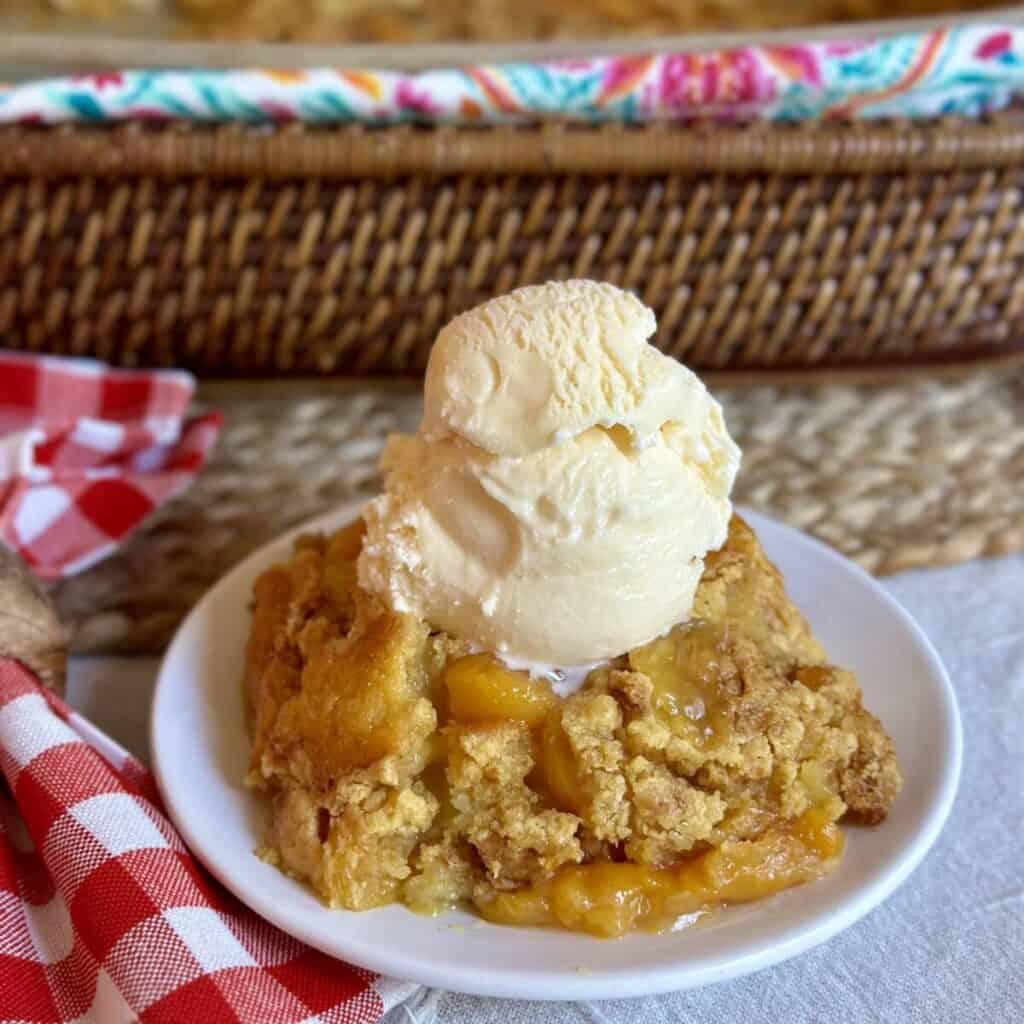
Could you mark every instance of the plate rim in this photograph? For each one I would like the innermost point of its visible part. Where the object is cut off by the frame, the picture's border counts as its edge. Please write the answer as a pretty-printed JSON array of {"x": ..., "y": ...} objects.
[{"x": 654, "y": 980}]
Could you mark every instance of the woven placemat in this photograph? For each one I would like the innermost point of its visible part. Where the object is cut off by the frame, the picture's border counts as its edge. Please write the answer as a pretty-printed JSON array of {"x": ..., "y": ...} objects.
[{"x": 915, "y": 474}]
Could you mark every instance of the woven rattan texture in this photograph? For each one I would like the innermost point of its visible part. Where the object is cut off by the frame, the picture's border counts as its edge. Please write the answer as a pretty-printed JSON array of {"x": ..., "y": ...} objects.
[
  {"x": 905, "y": 476},
  {"x": 342, "y": 253}
]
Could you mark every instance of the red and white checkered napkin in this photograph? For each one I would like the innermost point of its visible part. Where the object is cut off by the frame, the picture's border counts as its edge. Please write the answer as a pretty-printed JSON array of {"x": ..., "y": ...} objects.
[
  {"x": 104, "y": 915},
  {"x": 87, "y": 452}
]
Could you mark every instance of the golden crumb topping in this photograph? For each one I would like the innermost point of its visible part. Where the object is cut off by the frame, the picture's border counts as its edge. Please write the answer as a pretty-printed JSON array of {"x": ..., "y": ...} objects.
[{"x": 707, "y": 766}]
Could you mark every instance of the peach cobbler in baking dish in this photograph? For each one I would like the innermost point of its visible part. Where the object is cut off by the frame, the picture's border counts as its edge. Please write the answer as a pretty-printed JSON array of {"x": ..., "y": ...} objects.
[{"x": 549, "y": 674}]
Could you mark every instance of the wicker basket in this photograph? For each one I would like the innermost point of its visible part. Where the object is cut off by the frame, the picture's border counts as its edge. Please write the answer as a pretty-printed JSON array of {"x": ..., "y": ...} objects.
[{"x": 254, "y": 252}]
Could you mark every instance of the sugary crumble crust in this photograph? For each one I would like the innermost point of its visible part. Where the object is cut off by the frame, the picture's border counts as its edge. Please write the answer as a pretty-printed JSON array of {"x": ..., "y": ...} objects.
[{"x": 707, "y": 737}]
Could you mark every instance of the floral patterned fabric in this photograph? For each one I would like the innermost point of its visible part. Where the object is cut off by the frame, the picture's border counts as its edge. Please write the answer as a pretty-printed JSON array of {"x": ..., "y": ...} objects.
[{"x": 965, "y": 69}]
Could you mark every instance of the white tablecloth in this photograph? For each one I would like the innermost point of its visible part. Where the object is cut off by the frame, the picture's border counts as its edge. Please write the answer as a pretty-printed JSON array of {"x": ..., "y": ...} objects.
[{"x": 947, "y": 947}]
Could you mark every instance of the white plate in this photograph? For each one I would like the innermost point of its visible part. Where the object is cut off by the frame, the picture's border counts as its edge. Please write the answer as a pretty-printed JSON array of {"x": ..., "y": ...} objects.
[{"x": 199, "y": 749}]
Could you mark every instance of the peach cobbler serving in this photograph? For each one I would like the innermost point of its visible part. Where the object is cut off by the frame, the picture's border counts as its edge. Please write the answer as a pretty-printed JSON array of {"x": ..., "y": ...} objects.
[{"x": 549, "y": 674}]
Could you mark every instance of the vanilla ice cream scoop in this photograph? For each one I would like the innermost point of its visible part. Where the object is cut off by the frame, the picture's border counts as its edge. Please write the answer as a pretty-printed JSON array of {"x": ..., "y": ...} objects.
[{"x": 566, "y": 481}]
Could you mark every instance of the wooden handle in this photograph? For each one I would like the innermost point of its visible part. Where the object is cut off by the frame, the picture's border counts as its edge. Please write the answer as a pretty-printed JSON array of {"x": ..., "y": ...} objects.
[{"x": 30, "y": 631}]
